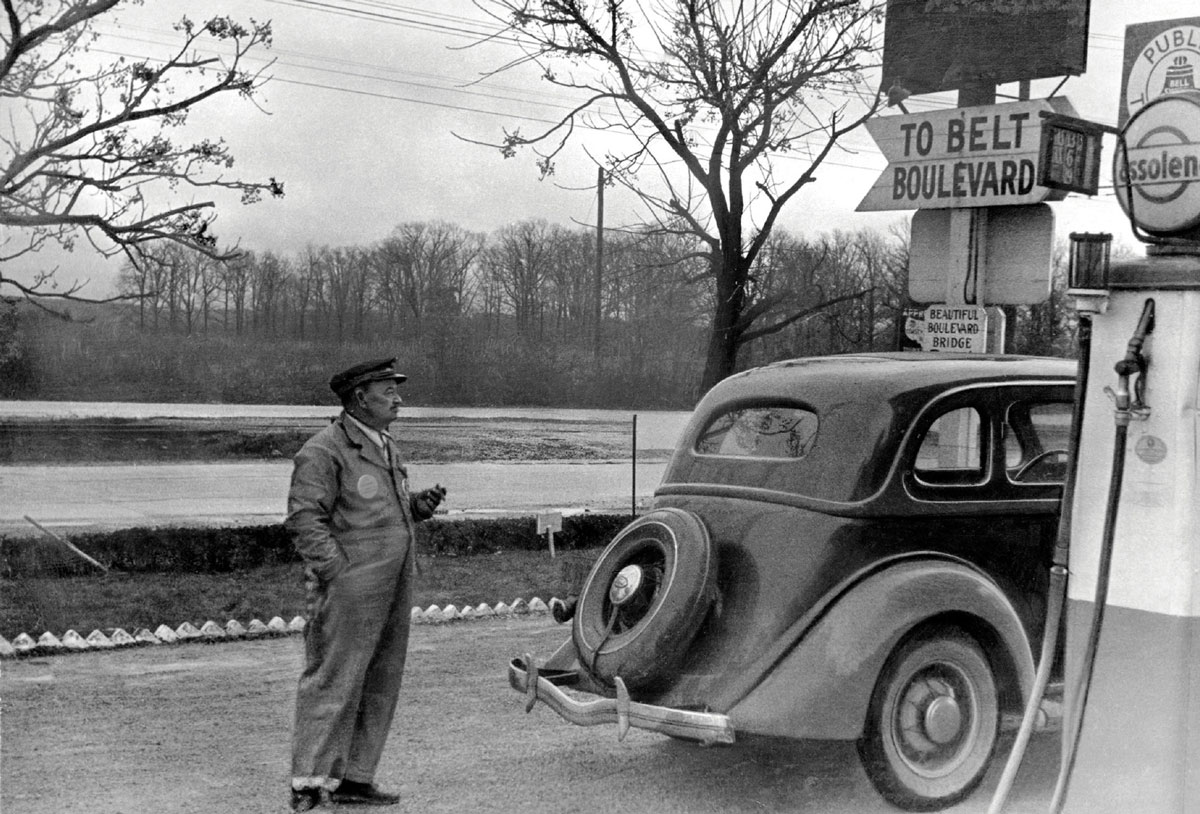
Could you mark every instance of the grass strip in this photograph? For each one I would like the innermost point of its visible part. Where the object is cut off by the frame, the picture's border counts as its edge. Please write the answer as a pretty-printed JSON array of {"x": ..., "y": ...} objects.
[{"x": 35, "y": 605}]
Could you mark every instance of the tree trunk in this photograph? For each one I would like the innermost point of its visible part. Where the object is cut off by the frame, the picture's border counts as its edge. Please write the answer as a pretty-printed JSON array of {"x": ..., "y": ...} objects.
[{"x": 725, "y": 337}]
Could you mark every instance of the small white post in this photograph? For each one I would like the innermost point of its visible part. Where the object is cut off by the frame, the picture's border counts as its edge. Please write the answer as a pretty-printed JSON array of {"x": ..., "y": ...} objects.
[{"x": 549, "y": 522}]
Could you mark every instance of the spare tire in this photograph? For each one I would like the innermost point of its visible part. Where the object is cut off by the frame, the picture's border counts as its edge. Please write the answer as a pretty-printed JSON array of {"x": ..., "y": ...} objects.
[{"x": 645, "y": 598}]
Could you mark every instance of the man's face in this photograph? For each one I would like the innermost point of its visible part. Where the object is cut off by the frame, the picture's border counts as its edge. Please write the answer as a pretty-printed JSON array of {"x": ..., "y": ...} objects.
[{"x": 378, "y": 404}]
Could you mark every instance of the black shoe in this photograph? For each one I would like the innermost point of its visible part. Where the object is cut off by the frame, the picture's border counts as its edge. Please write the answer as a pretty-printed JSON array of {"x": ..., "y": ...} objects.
[
  {"x": 351, "y": 792},
  {"x": 308, "y": 799}
]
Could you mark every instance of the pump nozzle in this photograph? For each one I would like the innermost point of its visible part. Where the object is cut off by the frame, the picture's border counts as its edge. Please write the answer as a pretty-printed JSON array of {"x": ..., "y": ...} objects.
[{"x": 1134, "y": 363}]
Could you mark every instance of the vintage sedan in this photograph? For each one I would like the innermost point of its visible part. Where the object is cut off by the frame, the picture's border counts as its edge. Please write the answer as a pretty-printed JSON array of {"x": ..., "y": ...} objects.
[{"x": 848, "y": 547}]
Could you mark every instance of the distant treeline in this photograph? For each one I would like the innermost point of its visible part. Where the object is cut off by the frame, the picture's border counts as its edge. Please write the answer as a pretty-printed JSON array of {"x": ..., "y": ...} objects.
[{"x": 505, "y": 319}]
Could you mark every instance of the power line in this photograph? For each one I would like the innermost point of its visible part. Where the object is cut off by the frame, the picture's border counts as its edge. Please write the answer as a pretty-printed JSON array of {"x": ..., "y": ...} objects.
[
  {"x": 452, "y": 106},
  {"x": 459, "y": 26}
]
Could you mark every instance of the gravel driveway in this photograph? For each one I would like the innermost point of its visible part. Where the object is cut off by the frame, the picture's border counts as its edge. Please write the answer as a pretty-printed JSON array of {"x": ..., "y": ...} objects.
[{"x": 207, "y": 727}]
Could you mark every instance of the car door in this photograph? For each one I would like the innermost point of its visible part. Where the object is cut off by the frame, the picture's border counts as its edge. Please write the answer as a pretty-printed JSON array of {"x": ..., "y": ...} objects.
[{"x": 984, "y": 471}]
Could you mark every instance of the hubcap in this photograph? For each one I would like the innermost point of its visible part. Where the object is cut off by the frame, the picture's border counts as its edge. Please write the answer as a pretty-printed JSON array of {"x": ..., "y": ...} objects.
[
  {"x": 934, "y": 720},
  {"x": 943, "y": 719},
  {"x": 625, "y": 585}
]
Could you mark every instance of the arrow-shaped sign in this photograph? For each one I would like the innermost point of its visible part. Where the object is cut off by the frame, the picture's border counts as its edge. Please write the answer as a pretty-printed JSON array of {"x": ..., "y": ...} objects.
[{"x": 968, "y": 156}]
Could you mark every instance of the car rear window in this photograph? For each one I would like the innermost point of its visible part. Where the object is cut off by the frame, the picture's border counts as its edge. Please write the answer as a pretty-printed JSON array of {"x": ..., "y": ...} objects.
[{"x": 763, "y": 431}]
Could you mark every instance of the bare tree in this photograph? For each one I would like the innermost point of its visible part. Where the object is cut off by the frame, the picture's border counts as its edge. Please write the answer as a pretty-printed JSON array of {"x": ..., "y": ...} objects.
[
  {"x": 573, "y": 282},
  {"x": 236, "y": 278},
  {"x": 729, "y": 89},
  {"x": 269, "y": 278},
  {"x": 312, "y": 288},
  {"x": 85, "y": 146},
  {"x": 424, "y": 267},
  {"x": 520, "y": 260},
  {"x": 344, "y": 278}
]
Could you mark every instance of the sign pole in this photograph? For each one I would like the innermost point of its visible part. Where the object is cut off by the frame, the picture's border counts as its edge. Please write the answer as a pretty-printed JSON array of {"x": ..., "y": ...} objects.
[
  {"x": 968, "y": 227},
  {"x": 633, "y": 488}
]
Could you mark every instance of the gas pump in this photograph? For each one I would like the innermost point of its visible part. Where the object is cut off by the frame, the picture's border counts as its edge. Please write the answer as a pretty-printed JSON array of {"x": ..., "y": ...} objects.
[{"x": 1131, "y": 735}]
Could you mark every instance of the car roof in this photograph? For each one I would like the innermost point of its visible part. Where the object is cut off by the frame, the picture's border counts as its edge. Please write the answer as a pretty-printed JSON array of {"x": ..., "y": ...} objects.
[
  {"x": 912, "y": 370},
  {"x": 866, "y": 402},
  {"x": 880, "y": 376}
]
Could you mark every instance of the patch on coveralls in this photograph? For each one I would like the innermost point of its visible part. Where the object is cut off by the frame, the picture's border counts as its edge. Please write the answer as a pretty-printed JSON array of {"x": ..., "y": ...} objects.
[{"x": 368, "y": 487}]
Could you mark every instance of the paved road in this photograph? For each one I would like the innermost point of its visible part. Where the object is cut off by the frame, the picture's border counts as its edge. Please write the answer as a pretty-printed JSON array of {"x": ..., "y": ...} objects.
[{"x": 122, "y": 496}]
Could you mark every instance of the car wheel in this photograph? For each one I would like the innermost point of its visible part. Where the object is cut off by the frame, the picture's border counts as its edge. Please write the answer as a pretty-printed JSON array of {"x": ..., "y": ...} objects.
[
  {"x": 645, "y": 599},
  {"x": 933, "y": 723}
]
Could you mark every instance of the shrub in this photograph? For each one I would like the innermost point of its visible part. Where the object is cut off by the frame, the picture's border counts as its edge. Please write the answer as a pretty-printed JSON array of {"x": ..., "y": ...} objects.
[{"x": 224, "y": 549}]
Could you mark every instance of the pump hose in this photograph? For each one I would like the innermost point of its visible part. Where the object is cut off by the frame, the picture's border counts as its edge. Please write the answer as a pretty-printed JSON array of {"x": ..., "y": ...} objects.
[
  {"x": 1057, "y": 590},
  {"x": 1083, "y": 684}
]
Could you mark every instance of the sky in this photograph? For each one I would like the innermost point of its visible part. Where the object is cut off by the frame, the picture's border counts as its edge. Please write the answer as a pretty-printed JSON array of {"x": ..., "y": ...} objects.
[{"x": 359, "y": 122}]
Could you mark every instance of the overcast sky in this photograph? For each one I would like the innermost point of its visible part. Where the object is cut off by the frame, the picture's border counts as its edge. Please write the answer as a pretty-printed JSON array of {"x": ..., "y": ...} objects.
[{"x": 367, "y": 95}]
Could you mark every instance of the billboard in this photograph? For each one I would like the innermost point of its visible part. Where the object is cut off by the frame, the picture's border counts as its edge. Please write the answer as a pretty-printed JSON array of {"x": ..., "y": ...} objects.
[{"x": 940, "y": 45}]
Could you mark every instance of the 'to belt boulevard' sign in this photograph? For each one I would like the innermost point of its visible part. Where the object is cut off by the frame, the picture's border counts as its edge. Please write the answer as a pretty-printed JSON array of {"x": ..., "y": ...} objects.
[{"x": 970, "y": 156}]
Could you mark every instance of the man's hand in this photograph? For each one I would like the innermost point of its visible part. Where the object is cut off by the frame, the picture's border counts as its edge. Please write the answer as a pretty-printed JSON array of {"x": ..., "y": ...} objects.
[{"x": 425, "y": 503}]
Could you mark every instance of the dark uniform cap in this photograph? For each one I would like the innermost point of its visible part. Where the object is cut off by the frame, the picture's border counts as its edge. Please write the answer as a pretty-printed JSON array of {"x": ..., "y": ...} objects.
[{"x": 374, "y": 371}]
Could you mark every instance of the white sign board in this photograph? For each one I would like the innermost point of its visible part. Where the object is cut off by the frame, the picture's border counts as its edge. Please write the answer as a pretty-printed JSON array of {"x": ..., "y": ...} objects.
[
  {"x": 968, "y": 156},
  {"x": 1157, "y": 174},
  {"x": 549, "y": 521},
  {"x": 955, "y": 329},
  {"x": 1015, "y": 268}
]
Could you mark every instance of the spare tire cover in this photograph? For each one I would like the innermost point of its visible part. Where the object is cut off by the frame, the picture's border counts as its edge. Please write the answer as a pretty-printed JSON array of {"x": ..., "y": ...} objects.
[{"x": 645, "y": 598}]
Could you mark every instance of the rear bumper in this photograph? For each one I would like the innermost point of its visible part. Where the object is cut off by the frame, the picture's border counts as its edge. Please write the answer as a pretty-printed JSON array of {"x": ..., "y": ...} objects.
[{"x": 525, "y": 677}]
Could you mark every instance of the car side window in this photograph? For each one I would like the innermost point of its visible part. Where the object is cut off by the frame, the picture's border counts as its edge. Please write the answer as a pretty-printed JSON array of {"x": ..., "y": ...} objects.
[
  {"x": 1036, "y": 439},
  {"x": 769, "y": 431},
  {"x": 951, "y": 451}
]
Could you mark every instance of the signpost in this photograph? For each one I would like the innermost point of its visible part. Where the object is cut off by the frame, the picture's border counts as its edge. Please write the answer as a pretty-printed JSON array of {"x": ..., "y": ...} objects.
[{"x": 969, "y": 172}]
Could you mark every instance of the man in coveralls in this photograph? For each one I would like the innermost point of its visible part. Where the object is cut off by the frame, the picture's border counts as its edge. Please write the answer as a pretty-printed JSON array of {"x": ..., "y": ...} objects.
[{"x": 351, "y": 517}]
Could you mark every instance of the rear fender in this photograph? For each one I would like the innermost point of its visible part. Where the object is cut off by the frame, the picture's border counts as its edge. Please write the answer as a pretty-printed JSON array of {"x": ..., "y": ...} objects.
[{"x": 822, "y": 687}]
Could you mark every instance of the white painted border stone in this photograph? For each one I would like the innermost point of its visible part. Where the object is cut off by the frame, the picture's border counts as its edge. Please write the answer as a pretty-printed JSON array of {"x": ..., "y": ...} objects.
[
  {"x": 144, "y": 636},
  {"x": 49, "y": 641},
  {"x": 211, "y": 631},
  {"x": 97, "y": 639},
  {"x": 120, "y": 638},
  {"x": 73, "y": 641}
]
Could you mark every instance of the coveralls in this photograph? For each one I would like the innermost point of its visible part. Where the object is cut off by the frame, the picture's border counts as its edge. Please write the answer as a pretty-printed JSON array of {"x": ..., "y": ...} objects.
[{"x": 351, "y": 517}]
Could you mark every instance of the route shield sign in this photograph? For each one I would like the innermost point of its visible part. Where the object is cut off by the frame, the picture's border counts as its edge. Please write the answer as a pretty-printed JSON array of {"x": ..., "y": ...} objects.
[{"x": 970, "y": 156}]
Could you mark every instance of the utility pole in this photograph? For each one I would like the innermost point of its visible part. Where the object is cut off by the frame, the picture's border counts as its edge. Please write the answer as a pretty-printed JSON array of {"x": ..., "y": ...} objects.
[{"x": 597, "y": 311}]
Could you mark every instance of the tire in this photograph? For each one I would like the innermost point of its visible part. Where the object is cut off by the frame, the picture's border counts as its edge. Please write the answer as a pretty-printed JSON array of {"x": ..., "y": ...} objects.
[
  {"x": 933, "y": 722},
  {"x": 645, "y": 598}
]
